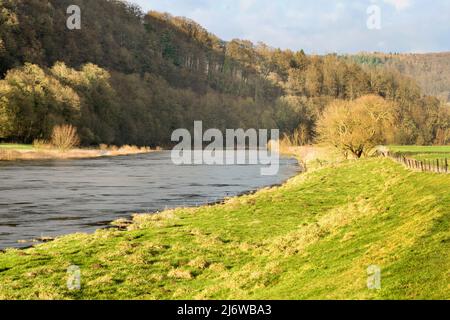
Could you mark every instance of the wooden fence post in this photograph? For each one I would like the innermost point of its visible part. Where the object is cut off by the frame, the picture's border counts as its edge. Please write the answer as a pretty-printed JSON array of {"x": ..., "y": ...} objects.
[{"x": 438, "y": 166}]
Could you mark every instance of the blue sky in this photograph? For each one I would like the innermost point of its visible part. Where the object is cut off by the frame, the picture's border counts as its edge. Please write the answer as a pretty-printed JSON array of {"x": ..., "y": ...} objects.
[{"x": 321, "y": 26}]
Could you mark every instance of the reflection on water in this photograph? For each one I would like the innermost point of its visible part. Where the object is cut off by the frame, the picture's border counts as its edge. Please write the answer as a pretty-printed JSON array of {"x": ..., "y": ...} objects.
[{"x": 50, "y": 198}]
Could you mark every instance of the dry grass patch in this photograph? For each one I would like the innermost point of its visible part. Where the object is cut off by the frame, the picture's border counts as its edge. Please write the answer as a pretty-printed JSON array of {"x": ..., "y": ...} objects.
[
  {"x": 297, "y": 241},
  {"x": 199, "y": 263},
  {"x": 180, "y": 274}
]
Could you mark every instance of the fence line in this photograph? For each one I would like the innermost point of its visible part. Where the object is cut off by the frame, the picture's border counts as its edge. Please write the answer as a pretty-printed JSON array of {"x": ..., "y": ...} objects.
[{"x": 436, "y": 166}]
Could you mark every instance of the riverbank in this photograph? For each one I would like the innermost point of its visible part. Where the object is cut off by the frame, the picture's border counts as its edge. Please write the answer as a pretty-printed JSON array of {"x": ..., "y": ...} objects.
[
  {"x": 312, "y": 238},
  {"x": 28, "y": 152}
]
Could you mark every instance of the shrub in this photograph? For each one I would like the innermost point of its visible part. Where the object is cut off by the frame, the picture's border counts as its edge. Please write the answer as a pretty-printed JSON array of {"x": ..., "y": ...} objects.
[
  {"x": 65, "y": 137},
  {"x": 41, "y": 144},
  {"x": 9, "y": 155},
  {"x": 103, "y": 147}
]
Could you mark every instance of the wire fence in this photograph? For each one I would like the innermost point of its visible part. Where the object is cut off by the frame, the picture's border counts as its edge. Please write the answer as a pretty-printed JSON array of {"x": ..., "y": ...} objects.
[{"x": 435, "y": 166}]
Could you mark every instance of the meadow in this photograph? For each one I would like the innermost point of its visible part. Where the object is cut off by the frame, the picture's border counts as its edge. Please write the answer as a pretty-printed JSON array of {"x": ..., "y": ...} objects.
[
  {"x": 422, "y": 153},
  {"x": 312, "y": 238}
]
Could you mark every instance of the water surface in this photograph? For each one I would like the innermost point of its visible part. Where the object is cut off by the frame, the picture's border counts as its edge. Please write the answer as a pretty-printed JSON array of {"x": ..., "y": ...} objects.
[{"x": 51, "y": 198}]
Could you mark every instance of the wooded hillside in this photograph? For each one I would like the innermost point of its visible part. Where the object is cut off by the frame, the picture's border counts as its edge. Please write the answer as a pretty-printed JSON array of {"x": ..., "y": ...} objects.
[
  {"x": 430, "y": 70},
  {"x": 130, "y": 77}
]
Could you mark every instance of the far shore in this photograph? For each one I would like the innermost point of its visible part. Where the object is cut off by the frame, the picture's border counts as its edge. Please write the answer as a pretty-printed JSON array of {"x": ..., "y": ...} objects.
[{"x": 21, "y": 152}]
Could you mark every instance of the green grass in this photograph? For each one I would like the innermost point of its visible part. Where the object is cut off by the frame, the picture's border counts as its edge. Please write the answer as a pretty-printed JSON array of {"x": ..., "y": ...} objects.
[
  {"x": 431, "y": 156},
  {"x": 423, "y": 152},
  {"x": 312, "y": 238},
  {"x": 421, "y": 149},
  {"x": 11, "y": 146}
]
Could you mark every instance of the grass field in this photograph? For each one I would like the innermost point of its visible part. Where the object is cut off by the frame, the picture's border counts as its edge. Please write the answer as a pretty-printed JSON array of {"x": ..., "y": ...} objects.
[
  {"x": 423, "y": 152},
  {"x": 312, "y": 238},
  {"x": 11, "y": 146}
]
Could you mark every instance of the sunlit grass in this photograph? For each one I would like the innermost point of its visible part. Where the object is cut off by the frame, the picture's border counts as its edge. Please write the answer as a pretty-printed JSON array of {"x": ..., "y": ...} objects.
[
  {"x": 313, "y": 238},
  {"x": 11, "y": 146},
  {"x": 423, "y": 153},
  {"x": 421, "y": 149},
  {"x": 431, "y": 156}
]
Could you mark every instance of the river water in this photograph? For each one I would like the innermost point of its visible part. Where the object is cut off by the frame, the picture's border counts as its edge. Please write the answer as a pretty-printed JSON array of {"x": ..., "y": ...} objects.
[{"x": 51, "y": 198}]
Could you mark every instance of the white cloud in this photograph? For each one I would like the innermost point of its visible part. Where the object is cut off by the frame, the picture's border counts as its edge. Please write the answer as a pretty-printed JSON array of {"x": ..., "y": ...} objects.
[
  {"x": 246, "y": 4},
  {"x": 320, "y": 26},
  {"x": 399, "y": 4}
]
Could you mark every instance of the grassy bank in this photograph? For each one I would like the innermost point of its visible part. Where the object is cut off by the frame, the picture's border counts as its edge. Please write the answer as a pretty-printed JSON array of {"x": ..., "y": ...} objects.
[
  {"x": 13, "y": 152},
  {"x": 314, "y": 237}
]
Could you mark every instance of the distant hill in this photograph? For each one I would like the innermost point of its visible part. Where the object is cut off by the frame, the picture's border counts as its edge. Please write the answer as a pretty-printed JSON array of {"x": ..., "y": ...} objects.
[{"x": 431, "y": 71}]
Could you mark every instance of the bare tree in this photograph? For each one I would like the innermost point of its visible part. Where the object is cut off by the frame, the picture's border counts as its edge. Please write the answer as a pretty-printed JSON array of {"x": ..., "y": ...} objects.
[
  {"x": 356, "y": 127},
  {"x": 65, "y": 137}
]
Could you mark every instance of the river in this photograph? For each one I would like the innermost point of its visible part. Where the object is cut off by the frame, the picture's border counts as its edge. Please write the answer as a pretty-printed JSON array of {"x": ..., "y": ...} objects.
[{"x": 52, "y": 198}]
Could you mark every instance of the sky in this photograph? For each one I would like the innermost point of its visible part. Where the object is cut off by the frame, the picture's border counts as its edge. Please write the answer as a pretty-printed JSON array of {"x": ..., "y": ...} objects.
[{"x": 322, "y": 26}]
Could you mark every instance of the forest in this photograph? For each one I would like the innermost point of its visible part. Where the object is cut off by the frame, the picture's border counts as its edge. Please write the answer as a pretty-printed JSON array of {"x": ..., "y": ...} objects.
[
  {"x": 430, "y": 70},
  {"x": 129, "y": 77}
]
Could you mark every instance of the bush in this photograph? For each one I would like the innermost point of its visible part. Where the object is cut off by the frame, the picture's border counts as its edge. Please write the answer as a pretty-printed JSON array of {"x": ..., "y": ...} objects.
[
  {"x": 41, "y": 144},
  {"x": 9, "y": 155},
  {"x": 65, "y": 137},
  {"x": 103, "y": 147}
]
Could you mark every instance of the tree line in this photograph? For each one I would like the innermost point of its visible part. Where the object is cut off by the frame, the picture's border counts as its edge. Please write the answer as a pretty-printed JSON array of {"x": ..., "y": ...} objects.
[{"x": 129, "y": 77}]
